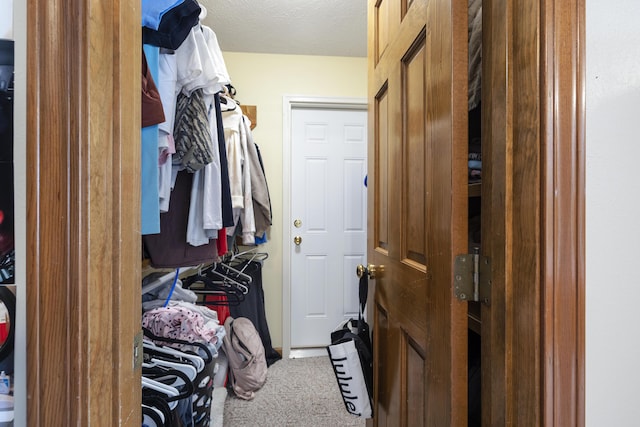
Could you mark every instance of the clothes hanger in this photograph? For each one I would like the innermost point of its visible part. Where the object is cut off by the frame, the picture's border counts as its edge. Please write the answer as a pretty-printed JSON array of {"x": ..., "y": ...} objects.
[
  {"x": 159, "y": 366},
  {"x": 254, "y": 252},
  {"x": 243, "y": 259},
  {"x": 206, "y": 355},
  {"x": 211, "y": 286},
  {"x": 229, "y": 275},
  {"x": 157, "y": 409},
  {"x": 154, "y": 349},
  {"x": 152, "y": 416},
  {"x": 232, "y": 272},
  {"x": 168, "y": 393},
  {"x": 234, "y": 294}
]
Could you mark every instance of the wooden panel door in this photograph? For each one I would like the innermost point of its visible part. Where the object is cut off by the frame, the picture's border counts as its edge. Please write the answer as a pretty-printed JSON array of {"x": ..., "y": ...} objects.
[{"x": 418, "y": 209}]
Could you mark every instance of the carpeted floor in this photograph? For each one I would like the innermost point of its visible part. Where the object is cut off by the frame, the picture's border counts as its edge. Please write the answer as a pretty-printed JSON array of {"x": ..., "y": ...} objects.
[{"x": 299, "y": 392}]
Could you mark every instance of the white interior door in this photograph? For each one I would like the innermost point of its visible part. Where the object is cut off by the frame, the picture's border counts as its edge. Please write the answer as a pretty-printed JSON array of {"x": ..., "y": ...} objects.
[{"x": 329, "y": 216}]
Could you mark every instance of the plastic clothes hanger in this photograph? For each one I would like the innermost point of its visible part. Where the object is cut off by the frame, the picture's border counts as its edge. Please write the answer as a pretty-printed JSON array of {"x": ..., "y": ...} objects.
[
  {"x": 164, "y": 366},
  {"x": 229, "y": 287},
  {"x": 231, "y": 273},
  {"x": 165, "y": 390},
  {"x": 152, "y": 416},
  {"x": 153, "y": 349},
  {"x": 169, "y": 393},
  {"x": 206, "y": 354}
]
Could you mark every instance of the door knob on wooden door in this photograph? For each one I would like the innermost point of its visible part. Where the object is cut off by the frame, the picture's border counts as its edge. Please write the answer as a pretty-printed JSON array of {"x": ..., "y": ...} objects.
[
  {"x": 297, "y": 240},
  {"x": 371, "y": 270}
]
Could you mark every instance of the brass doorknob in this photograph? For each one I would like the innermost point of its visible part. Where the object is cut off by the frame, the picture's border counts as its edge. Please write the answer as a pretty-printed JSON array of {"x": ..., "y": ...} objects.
[
  {"x": 297, "y": 240},
  {"x": 370, "y": 270}
]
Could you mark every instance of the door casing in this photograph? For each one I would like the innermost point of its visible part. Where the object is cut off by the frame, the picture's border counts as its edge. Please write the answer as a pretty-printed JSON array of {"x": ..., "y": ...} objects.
[
  {"x": 533, "y": 212},
  {"x": 289, "y": 102},
  {"x": 328, "y": 170},
  {"x": 83, "y": 212}
]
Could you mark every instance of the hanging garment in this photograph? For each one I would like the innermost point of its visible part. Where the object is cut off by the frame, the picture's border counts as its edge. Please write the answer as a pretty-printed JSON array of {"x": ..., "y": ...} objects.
[
  {"x": 475, "y": 52},
  {"x": 153, "y": 10},
  {"x": 166, "y": 149},
  {"x": 166, "y": 83},
  {"x": 201, "y": 227},
  {"x": 150, "y": 200},
  {"x": 192, "y": 134},
  {"x": 259, "y": 190},
  {"x": 167, "y": 75},
  {"x": 253, "y": 308},
  {"x": 169, "y": 248},
  {"x": 152, "y": 109},
  {"x": 247, "y": 216},
  {"x": 174, "y": 25},
  {"x": 205, "y": 211},
  {"x": 222, "y": 242},
  {"x": 219, "y": 304},
  {"x": 239, "y": 172},
  {"x": 222, "y": 75},
  {"x": 227, "y": 210},
  {"x": 231, "y": 119},
  {"x": 265, "y": 174},
  {"x": 196, "y": 68},
  {"x": 212, "y": 181}
]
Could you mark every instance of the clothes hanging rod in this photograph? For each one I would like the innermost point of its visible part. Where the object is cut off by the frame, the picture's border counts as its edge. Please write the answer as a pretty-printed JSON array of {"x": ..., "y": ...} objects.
[
  {"x": 165, "y": 279},
  {"x": 160, "y": 281}
]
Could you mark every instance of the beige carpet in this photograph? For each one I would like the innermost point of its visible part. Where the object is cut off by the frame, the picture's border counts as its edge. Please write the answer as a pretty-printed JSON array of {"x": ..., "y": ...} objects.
[{"x": 299, "y": 392}]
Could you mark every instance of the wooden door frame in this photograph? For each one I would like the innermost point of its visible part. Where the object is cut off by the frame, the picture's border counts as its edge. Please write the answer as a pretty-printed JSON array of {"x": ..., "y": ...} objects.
[
  {"x": 83, "y": 215},
  {"x": 533, "y": 212},
  {"x": 289, "y": 102}
]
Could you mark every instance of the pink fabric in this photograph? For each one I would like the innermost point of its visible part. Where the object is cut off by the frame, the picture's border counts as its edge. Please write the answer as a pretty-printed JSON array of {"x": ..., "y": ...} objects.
[{"x": 179, "y": 323}]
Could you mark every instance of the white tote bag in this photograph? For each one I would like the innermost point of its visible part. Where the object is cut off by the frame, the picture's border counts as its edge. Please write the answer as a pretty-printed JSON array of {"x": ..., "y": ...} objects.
[{"x": 348, "y": 369}]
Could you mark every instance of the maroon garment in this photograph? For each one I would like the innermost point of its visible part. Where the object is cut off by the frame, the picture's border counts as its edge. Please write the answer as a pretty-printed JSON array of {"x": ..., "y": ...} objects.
[
  {"x": 170, "y": 249},
  {"x": 152, "y": 111}
]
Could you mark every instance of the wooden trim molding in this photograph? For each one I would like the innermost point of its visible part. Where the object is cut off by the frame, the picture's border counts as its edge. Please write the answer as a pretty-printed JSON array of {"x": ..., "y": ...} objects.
[
  {"x": 562, "y": 94},
  {"x": 83, "y": 290},
  {"x": 533, "y": 209}
]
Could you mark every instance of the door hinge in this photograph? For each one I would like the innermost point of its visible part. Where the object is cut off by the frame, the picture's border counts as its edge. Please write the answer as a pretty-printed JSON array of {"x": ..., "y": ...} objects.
[{"x": 472, "y": 278}]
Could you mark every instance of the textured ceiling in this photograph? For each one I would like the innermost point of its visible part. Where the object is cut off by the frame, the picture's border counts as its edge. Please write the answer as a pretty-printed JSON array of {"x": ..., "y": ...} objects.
[{"x": 300, "y": 27}]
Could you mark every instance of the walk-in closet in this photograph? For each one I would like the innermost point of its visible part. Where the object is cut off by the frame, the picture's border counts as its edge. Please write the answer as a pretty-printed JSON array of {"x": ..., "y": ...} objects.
[
  {"x": 205, "y": 216},
  {"x": 136, "y": 247}
]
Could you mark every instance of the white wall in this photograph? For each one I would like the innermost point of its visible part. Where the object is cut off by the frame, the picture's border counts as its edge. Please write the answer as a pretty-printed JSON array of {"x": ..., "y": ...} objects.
[
  {"x": 6, "y": 19},
  {"x": 613, "y": 213}
]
